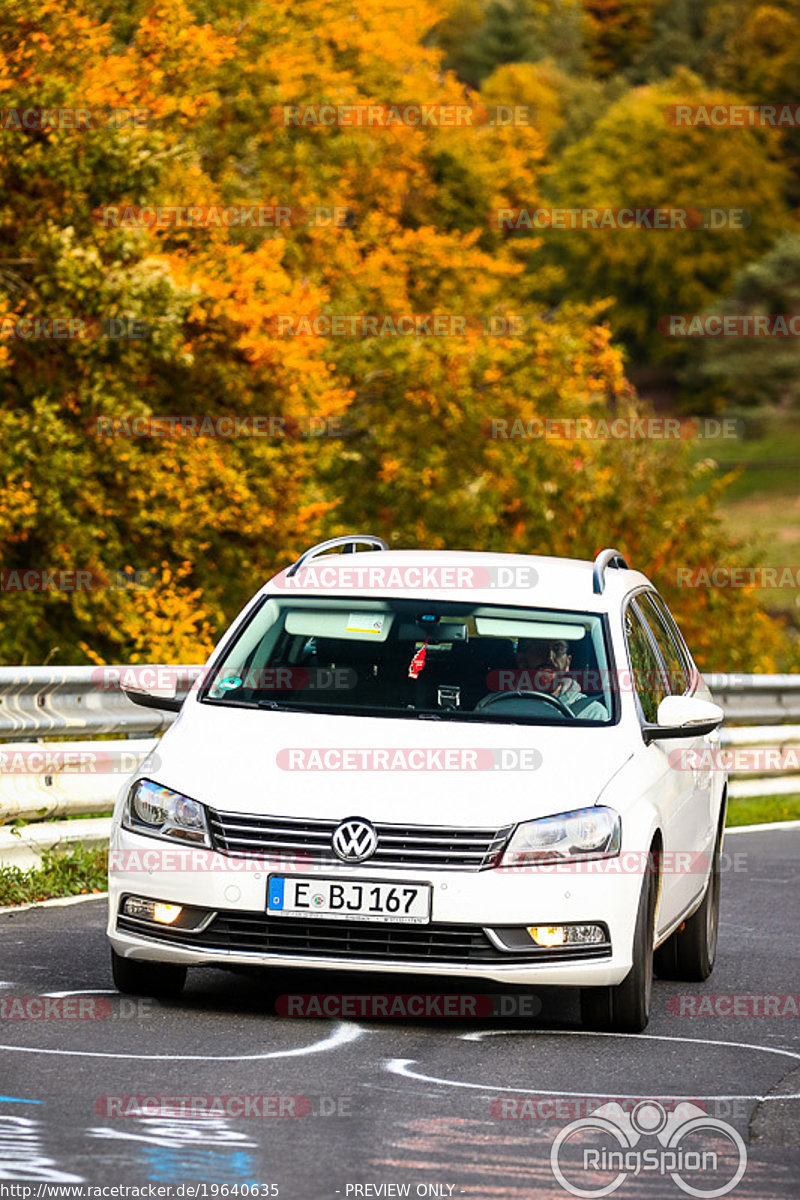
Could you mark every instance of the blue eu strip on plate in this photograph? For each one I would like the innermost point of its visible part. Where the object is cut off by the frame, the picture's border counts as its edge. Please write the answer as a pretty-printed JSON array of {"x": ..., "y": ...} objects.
[{"x": 276, "y": 885}]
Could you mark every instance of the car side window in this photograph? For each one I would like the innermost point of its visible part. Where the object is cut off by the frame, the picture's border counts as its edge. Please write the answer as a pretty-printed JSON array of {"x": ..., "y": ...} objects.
[
  {"x": 677, "y": 637},
  {"x": 648, "y": 677},
  {"x": 677, "y": 676}
]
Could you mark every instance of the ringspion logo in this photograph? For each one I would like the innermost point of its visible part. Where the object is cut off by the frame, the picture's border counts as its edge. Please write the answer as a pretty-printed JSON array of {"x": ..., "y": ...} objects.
[{"x": 703, "y": 1155}]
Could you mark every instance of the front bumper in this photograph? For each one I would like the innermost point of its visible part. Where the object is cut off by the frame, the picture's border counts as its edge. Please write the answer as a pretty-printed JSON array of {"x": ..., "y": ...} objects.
[{"x": 470, "y": 911}]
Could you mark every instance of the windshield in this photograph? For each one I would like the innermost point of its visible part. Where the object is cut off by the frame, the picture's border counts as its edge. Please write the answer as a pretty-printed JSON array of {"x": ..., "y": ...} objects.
[{"x": 418, "y": 658}]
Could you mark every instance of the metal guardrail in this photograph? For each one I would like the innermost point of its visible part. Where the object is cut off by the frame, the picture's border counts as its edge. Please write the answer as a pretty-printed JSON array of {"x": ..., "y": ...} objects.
[
  {"x": 757, "y": 699},
  {"x": 49, "y": 716},
  {"x": 59, "y": 701}
]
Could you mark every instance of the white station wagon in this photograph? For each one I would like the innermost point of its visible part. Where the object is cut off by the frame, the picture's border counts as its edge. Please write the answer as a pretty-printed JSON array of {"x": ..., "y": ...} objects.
[{"x": 483, "y": 766}]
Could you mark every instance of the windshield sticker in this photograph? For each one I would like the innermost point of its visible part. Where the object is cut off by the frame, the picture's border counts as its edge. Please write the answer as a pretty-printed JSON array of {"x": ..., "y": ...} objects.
[
  {"x": 229, "y": 683},
  {"x": 365, "y": 623}
]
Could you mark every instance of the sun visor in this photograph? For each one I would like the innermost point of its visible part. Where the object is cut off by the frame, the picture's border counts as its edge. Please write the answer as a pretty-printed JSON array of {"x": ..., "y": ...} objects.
[
  {"x": 516, "y": 628},
  {"x": 359, "y": 625}
]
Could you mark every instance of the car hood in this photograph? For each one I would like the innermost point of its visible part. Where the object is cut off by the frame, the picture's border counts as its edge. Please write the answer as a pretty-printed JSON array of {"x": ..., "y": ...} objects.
[{"x": 430, "y": 773}]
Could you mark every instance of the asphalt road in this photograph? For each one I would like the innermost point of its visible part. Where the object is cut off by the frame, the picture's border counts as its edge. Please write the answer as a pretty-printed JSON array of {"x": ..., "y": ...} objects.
[{"x": 433, "y": 1106}]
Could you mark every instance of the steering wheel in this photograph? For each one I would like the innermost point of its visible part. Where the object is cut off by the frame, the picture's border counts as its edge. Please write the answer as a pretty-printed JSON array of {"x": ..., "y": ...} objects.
[{"x": 498, "y": 696}]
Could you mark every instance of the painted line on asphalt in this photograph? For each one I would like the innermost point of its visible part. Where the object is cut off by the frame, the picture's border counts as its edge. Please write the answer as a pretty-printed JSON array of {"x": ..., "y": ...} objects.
[
  {"x": 18, "y": 1100},
  {"x": 343, "y": 1034},
  {"x": 84, "y": 992},
  {"x": 765, "y": 828},
  {"x": 401, "y": 1066},
  {"x": 54, "y": 902},
  {"x": 479, "y": 1035}
]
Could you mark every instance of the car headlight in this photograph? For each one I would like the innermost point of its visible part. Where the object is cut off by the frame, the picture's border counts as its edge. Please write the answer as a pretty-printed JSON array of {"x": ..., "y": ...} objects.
[
  {"x": 160, "y": 812},
  {"x": 584, "y": 833}
]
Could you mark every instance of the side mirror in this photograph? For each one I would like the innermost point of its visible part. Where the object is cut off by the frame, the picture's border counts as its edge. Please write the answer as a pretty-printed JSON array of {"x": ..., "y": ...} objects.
[
  {"x": 683, "y": 717},
  {"x": 159, "y": 700}
]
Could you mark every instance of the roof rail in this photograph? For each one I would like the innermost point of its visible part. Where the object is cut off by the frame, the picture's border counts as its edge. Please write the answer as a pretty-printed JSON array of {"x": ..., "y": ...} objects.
[
  {"x": 348, "y": 544},
  {"x": 606, "y": 558}
]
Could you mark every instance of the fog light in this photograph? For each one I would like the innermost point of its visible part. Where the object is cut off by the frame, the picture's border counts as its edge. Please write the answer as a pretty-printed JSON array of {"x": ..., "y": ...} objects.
[
  {"x": 547, "y": 935},
  {"x": 165, "y": 914},
  {"x": 566, "y": 935},
  {"x": 151, "y": 910}
]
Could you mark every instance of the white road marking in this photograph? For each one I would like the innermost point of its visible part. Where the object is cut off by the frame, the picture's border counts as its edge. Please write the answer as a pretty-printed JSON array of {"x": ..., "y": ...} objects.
[
  {"x": 84, "y": 992},
  {"x": 56, "y": 902},
  {"x": 344, "y": 1033},
  {"x": 478, "y": 1035},
  {"x": 765, "y": 828},
  {"x": 185, "y": 1133},
  {"x": 401, "y": 1066}
]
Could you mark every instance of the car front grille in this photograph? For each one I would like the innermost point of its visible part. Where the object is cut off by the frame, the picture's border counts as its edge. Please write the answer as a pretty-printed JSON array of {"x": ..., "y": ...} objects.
[
  {"x": 423, "y": 847},
  {"x": 255, "y": 933}
]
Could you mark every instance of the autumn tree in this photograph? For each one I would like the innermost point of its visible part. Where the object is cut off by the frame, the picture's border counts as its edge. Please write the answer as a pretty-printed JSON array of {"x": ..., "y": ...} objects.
[
  {"x": 636, "y": 157},
  {"x": 198, "y": 523},
  {"x": 751, "y": 372}
]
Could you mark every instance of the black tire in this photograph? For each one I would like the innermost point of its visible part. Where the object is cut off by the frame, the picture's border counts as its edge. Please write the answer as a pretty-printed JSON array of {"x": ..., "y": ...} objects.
[
  {"x": 138, "y": 978},
  {"x": 625, "y": 1007},
  {"x": 690, "y": 951}
]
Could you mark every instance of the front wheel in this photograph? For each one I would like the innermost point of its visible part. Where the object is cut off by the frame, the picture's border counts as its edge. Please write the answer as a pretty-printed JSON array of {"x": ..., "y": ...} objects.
[
  {"x": 137, "y": 978},
  {"x": 625, "y": 1007},
  {"x": 690, "y": 951}
]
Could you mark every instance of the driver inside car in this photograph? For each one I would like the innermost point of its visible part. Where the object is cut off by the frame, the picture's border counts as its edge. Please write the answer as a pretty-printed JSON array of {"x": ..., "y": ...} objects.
[{"x": 545, "y": 668}]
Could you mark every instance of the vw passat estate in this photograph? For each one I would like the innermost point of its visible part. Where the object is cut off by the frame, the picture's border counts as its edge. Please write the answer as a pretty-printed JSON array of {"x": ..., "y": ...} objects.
[{"x": 484, "y": 766}]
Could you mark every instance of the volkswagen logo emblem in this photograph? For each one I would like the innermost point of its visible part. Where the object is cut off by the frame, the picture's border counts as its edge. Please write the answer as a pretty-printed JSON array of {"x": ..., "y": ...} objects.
[{"x": 354, "y": 840}]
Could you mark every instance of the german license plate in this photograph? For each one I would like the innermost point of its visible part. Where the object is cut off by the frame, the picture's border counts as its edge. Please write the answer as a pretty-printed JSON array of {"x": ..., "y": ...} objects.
[{"x": 350, "y": 899}]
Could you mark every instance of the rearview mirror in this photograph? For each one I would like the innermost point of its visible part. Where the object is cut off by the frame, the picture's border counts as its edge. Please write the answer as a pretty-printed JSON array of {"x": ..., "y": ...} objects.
[
  {"x": 683, "y": 717},
  {"x": 159, "y": 700}
]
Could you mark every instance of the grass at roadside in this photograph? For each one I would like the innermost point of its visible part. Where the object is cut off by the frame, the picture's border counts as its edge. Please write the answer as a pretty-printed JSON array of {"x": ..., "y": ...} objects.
[
  {"x": 762, "y": 505},
  {"x": 761, "y": 809},
  {"x": 767, "y": 448},
  {"x": 66, "y": 872}
]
